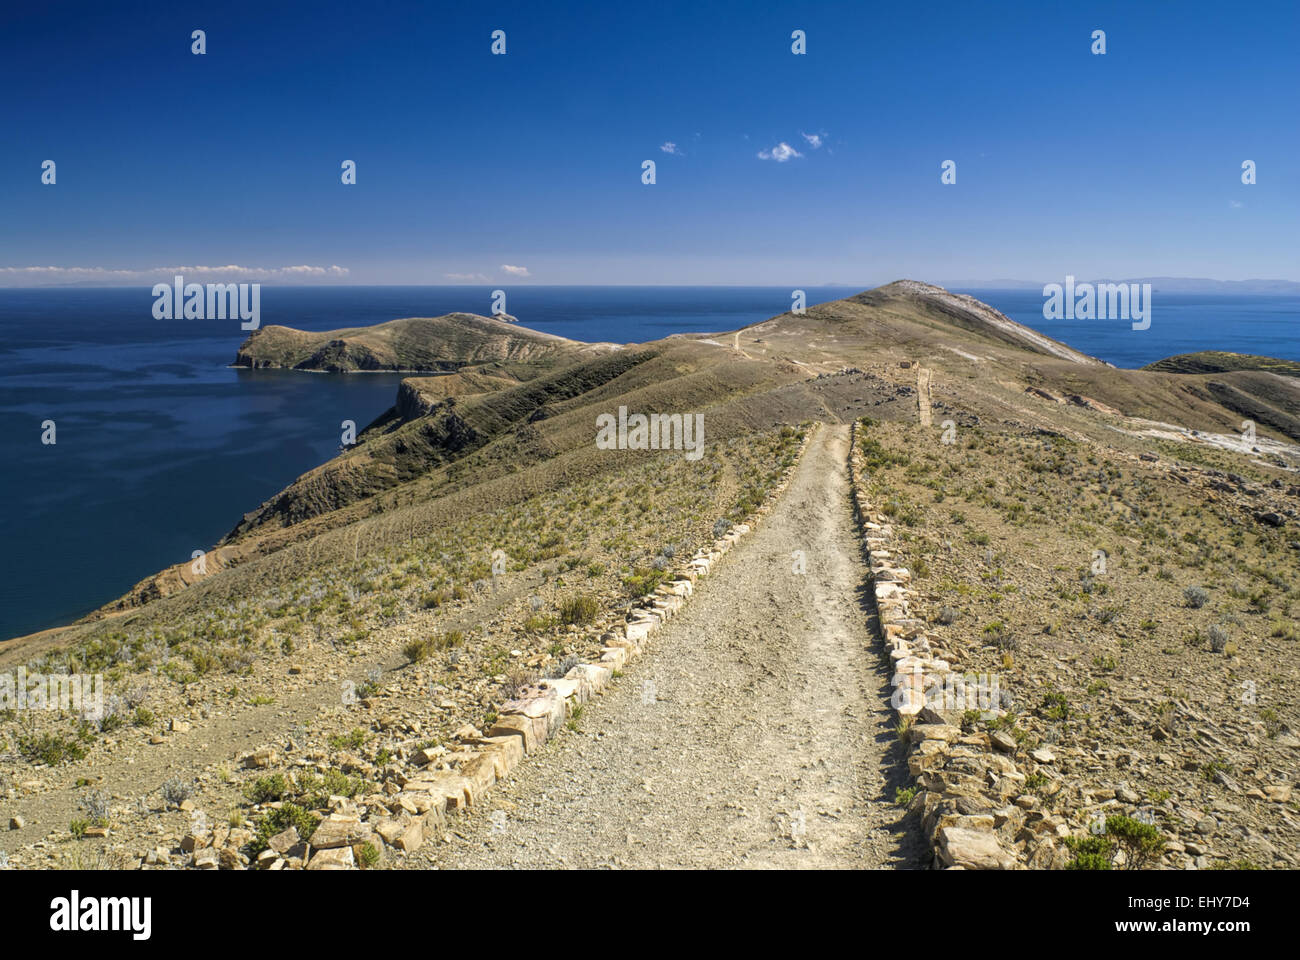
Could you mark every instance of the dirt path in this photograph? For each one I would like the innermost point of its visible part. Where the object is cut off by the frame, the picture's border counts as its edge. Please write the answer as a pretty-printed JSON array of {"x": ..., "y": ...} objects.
[
  {"x": 923, "y": 395},
  {"x": 755, "y": 732}
]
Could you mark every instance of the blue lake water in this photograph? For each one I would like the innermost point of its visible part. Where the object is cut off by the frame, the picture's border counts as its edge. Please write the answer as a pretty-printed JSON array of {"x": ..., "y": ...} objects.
[{"x": 162, "y": 447}]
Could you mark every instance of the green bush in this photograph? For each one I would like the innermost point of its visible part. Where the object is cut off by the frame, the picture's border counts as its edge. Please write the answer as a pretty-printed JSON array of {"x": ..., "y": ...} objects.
[
  {"x": 1092, "y": 852},
  {"x": 315, "y": 792},
  {"x": 267, "y": 789},
  {"x": 418, "y": 651},
  {"x": 1141, "y": 842},
  {"x": 579, "y": 610},
  {"x": 281, "y": 819},
  {"x": 369, "y": 856},
  {"x": 354, "y": 740},
  {"x": 50, "y": 749}
]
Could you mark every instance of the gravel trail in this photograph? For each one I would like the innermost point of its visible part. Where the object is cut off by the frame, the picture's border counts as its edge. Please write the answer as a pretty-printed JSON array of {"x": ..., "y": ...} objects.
[{"x": 754, "y": 731}]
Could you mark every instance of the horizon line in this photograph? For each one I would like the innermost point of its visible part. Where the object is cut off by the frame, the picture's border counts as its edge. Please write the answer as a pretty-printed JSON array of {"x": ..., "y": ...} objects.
[{"x": 1000, "y": 284}]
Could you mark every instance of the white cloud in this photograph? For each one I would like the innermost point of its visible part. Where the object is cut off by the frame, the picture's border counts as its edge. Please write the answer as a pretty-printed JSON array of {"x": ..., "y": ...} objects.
[
  {"x": 1236, "y": 204},
  {"x": 670, "y": 147},
  {"x": 515, "y": 271},
  {"x": 226, "y": 272},
  {"x": 815, "y": 140},
  {"x": 780, "y": 153}
]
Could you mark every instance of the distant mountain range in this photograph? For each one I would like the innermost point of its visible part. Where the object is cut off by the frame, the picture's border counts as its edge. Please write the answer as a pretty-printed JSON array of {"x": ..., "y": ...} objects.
[{"x": 1158, "y": 285}]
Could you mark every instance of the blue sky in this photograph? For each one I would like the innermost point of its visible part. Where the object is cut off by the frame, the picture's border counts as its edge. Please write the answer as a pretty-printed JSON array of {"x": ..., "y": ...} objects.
[{"x": 1121, "y": 165}]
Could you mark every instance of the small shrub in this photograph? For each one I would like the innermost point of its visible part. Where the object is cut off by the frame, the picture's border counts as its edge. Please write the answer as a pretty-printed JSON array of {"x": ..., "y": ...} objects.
[
  {"x": 314, "y": 792},
  {"x": 281, "y": 819},
  {"x": 579, "y": 610},
  {"x": 1196, "y": 597},
  {"x": 1213, "y": 767},
  {"x": 1141, "y": 842},
  {"x": 576, "y": 718},
  {"x": 434, "y": 599},
  {"x": 1091, "y": 852},
  {"x": 353, "y": 740},
  {"x": 176, "y": 791},
  {"x": 641, "y": 582},
  {"x": 1055, "y": 706},
  {"x": 417, "y": 651},
  {"x": 562, "y": 667},
  {"x": 369, "y": 856},
  {"x": 267, "y": 789},
  {"x": 1273, "y": 724},
  {"x": 96, "y": 804},
  {"x": 50, "y": 749},
  {"x": 517, "y": 679}
]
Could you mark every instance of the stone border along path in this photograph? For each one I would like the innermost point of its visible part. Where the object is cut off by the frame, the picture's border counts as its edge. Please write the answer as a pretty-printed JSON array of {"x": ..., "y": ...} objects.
[
  {"x": 762, "y": 735},
  {"x": 975, "y": 811},
  {"x": 524, "y": 725}
]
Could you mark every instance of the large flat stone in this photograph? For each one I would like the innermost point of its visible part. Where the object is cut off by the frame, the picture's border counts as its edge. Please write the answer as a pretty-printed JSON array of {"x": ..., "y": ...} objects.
[
  {"x": 457, "y": 791},
  {"x": 639, "y": 631},
  {"x": 411, "y": 838},
  {"x": 337, "y": 858},
  {"x": 506, "y": 753},
  {"x": 566, "y": 689},
  {"x": 531, "y": 732},
  {"x": 972, "y": 849},
  {"x": 598, "y": 676},
  {"x": 481, "y": 772},
  {"x": 337, "y": 830}
]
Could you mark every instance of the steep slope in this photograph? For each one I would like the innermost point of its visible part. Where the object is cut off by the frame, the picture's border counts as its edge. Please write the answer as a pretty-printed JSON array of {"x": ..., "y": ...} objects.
[{"x": 927, "y": 304}]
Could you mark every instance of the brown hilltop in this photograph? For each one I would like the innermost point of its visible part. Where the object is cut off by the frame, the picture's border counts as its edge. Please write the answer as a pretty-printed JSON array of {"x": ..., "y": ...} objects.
[{"x": 516, "y": 409}]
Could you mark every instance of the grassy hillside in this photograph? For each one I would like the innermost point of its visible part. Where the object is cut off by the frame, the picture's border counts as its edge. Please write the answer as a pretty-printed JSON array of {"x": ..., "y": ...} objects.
[
  {"x": 420, "y": 343},
  {"x": 375, "y": 568},
  {"x": 1221, "y": 361}
]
